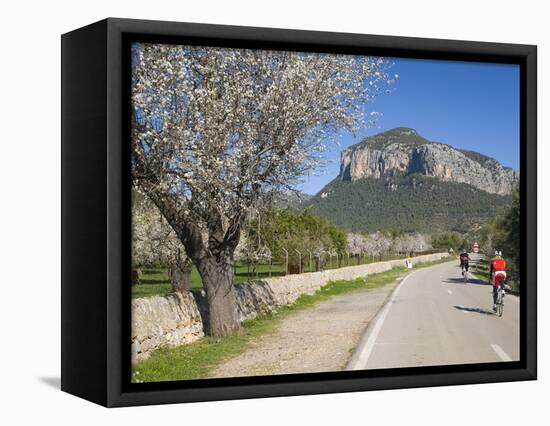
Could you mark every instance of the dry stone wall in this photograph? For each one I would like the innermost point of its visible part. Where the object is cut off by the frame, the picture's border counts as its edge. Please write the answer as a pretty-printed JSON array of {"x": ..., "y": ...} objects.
[
  {"x": 165, "y": 321},
  {"x": 177, "y": 319},
  {"x": 266, "y": 295}
]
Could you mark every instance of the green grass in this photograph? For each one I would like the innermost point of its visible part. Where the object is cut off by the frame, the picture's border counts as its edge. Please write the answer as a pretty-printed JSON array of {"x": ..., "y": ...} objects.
[
  {"x": 197, "y": 360},
  {"x": 155, "y": 281}
]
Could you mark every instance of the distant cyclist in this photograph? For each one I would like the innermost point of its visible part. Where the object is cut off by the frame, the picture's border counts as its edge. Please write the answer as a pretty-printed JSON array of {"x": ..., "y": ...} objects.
[
  {"x": 497, "y": 274},
  {"x": 464, "y": 261}
]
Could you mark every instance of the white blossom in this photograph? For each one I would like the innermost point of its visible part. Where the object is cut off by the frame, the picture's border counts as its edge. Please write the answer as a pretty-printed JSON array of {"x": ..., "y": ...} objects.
[
  {"x": 154, "y": 242},
  {"x": 220, "y": 130}
]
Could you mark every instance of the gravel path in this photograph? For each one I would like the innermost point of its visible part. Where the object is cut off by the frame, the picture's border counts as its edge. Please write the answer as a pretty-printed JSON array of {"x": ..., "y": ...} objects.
[{"x": 318, "y": 339}]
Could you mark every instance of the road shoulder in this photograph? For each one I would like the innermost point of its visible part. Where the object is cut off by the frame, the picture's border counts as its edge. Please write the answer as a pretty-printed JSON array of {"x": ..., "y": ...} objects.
[{"x": 318, "y": 339}]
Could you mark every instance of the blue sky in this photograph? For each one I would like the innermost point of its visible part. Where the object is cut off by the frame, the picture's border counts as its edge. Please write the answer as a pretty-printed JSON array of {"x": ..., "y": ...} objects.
[{"x": 467, "y": 105}]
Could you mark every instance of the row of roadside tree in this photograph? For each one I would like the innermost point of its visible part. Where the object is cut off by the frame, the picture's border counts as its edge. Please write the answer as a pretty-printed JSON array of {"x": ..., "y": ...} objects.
[{"x": 295, "y": 242}]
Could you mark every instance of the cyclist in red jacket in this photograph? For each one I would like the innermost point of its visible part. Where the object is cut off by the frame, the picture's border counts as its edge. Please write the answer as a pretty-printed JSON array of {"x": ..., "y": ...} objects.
[{"x": 497, "y": 274}]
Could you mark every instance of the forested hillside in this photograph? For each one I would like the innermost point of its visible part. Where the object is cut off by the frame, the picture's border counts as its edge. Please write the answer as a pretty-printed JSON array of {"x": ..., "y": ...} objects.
[{"x": 407, "y": 203}]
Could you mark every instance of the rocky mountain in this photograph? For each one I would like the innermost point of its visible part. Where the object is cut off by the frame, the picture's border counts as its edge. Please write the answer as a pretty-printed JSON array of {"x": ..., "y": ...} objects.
[
  {"x": 402, "y": 181},
  {"x": 404, "y": 151}
]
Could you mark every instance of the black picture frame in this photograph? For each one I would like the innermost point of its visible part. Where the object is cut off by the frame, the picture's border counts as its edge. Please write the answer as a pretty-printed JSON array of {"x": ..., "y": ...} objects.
[{"x": 96, "y": 210}]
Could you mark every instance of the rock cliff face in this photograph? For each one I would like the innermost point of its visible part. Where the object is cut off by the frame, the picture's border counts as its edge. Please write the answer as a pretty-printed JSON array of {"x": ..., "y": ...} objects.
[{"x": 403, "y": 151}]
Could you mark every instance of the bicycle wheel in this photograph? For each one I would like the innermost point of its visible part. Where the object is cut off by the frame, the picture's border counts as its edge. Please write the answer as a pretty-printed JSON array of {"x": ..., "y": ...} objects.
[{"x": 500, "y": 306}]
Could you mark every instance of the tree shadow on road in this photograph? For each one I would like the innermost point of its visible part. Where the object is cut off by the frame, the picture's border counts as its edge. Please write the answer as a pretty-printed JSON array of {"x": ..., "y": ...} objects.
[
  {"x": 460, "y": 280},
  {"x": 476, "y": 310}
]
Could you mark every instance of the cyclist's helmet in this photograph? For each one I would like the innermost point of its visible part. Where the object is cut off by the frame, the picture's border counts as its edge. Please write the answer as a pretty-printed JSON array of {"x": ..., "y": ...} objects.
[{"x": 496, "y": 253}]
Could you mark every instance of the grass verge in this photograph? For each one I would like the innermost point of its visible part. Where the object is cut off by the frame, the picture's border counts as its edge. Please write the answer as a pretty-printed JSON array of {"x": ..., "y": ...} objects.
[{"x": 197, "y": 360}]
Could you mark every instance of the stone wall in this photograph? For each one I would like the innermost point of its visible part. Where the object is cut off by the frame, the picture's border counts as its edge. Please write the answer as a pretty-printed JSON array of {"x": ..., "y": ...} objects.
[
  {"x": 177, "y": 319},
  {"x": 170, "y": 320},
  {"x": 266, "y": 295}
]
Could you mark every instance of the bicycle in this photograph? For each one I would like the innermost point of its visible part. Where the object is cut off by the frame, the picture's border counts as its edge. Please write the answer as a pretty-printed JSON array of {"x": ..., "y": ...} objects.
[
  {"x": 465, "y": 274},
  {"x": 500, "y": 300}
]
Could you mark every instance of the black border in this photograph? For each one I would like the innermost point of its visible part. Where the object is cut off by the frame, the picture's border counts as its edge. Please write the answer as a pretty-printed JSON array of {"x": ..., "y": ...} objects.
[{"x": 118, "y": 389}]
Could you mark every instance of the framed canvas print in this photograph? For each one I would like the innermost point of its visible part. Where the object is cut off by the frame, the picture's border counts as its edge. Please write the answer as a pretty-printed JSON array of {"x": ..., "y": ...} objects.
[{"x": 252, "y": 212}]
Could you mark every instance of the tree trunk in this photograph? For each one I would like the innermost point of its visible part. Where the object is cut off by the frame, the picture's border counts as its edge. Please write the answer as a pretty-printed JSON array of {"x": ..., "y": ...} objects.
[
  {"x": 319, "y": 264},
  {"x": 135, "y": 276},
  {"x": 212, "y": 257},
  {"x": 295, "y": 267},
  {"x": 217, "y": 278},
  {"x": 180, "y": 276}
]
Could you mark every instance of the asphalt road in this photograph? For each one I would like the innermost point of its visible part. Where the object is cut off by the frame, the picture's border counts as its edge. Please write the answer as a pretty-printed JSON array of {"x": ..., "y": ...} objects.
[{"x": 433, "y": 318}]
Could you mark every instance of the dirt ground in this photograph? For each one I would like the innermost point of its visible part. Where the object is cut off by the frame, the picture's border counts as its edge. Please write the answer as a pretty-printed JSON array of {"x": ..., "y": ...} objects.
[{"x": 318, "y": 339}]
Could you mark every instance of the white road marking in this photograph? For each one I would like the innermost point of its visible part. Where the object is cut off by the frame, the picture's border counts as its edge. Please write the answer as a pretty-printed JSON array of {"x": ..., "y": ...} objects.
[
  {"x": 360, "y": 362},
  {"x": 449, "y": 291},
  {"x": 500, "y": 352}
]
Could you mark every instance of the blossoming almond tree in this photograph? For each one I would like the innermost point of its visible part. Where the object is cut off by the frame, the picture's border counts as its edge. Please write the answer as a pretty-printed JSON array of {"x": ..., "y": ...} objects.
[
  {"x": 378, "y": 244},
  {"x": 216, "y": 131},
  {"x": 154, "y": 242},
  {"x": 411, "y": 243}
]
